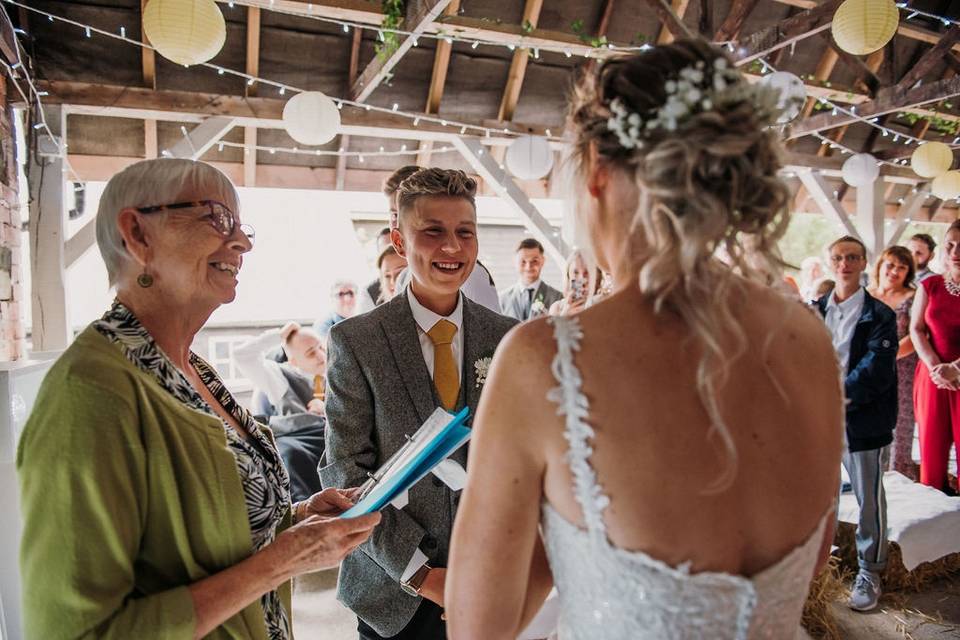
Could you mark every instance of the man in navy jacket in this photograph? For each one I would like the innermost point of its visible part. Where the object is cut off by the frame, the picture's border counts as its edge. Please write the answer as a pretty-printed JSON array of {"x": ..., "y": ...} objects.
[{"x": 864, "y": 332}]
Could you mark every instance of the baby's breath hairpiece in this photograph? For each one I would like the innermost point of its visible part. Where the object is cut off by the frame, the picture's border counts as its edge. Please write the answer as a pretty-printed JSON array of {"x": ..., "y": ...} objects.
[{"x": 696, "y": 89}]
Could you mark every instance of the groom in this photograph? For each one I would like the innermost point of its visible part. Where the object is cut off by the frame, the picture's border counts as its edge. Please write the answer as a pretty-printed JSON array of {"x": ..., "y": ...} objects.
[{"x": 388, "y": 370}]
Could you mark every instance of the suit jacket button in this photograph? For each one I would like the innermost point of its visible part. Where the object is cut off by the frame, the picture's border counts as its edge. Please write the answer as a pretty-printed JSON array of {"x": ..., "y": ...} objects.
[{"x": 430, "y": 543}]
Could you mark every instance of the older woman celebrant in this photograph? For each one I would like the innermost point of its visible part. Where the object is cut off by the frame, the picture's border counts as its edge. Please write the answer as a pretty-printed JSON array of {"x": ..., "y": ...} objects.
[{"x": 154, "y": 505}]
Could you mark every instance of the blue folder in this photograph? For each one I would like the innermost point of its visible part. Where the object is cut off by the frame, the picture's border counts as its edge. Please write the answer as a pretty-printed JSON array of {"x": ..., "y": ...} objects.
[{"x": 435, "y": 451}]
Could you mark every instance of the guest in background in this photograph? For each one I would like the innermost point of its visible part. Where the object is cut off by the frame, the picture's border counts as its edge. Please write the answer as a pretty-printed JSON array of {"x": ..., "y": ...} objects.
[
  {"x": 531, "y": 296},
  {"x": 922, "y": 246},
  {"x": 370, "y": 294},
  {"x": 390, "y": 264},
  {"x": 935, "y": 329},
  {"x": 479, "y": 286},
  {"x": 154, "y": 506},
  {"x": 893, "y": 285},
  {"x": 343, "y": 296},
  {"x": 864, "y": 333},
  {"x": 578, "y": 286},
  {"x": 811, "y": 270},
  {"x": 295, "y": 390}
]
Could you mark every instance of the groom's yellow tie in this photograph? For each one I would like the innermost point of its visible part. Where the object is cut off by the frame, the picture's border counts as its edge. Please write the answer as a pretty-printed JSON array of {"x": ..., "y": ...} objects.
[{"x": 445, "y": 374}]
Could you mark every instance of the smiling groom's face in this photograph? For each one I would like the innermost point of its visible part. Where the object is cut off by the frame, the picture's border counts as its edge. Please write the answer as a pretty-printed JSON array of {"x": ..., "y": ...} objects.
[{"x": 438, "y": 237}]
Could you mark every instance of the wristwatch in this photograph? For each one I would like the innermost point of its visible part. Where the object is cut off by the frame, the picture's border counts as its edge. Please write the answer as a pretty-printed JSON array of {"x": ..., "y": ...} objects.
[{"x": 415, "y": 583}]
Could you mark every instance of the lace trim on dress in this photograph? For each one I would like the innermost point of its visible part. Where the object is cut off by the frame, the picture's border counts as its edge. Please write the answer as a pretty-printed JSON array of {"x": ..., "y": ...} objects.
[{"x": 573, "y": 404}]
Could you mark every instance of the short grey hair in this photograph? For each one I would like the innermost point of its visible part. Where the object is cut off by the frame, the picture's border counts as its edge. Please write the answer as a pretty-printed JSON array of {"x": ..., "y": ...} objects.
[{"x": 148, "y": 183}]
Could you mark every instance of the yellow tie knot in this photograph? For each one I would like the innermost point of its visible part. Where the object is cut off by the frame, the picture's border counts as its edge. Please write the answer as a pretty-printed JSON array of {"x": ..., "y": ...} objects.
[{"x": 442, "y": 332}]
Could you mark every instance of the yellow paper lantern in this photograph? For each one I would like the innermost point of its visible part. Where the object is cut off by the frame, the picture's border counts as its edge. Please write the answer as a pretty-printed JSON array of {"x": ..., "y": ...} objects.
[
  {"x": 931, "y": 159},
  {"x": 864, "y": 26},
  {"x": 185, "y": 31},
  {"x": 946, "y": 185}
]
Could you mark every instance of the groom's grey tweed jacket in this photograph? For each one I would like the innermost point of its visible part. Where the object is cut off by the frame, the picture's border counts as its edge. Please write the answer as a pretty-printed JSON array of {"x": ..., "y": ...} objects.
[{"x": 378, "y": 391}]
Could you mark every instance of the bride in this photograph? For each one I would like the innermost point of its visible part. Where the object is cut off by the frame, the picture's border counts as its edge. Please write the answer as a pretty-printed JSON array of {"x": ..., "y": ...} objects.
[{"x": 677, "y": 444}]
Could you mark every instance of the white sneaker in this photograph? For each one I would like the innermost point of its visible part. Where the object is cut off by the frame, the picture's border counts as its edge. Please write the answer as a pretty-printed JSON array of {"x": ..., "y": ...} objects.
[{"x": 866, "y": 591}]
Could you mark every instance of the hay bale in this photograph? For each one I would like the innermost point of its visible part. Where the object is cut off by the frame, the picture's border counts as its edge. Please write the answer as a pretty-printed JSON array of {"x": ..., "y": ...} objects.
[{"x": 826, "y": 588}]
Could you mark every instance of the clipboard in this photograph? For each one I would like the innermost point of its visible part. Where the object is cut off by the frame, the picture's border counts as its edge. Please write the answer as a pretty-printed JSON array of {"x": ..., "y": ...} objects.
[{"x": 441, "y": 435}]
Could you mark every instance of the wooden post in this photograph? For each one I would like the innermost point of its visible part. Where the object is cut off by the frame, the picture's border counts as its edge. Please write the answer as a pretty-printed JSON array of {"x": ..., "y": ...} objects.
[
  {"x": 51, "y": 329},
  {"x": 870, "y": 217}
]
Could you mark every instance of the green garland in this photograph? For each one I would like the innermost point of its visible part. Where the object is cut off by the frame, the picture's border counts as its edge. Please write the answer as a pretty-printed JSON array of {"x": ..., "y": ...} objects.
[{"x": 393, "y": 13}]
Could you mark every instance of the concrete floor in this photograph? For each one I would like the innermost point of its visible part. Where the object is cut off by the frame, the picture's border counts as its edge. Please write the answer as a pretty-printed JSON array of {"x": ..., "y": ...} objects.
[{"x": 933, "y": 614}]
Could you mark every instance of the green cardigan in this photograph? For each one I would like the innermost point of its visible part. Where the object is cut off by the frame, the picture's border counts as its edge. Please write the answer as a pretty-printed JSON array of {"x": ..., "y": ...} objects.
[{"x": 128, "y": 497}]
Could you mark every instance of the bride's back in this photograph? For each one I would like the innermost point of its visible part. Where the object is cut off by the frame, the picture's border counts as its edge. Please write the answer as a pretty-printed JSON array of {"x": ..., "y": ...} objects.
[{"x": 652, "y": 452}]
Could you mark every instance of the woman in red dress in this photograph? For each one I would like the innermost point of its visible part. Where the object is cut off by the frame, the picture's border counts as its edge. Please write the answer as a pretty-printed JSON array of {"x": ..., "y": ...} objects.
[{"x": 935, "y": 330}]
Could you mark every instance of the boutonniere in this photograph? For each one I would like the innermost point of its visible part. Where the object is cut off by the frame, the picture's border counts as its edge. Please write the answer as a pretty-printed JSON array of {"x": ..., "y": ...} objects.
[
  {"x": 538, "y": 308},
  {"x": 482, "y": 367}
]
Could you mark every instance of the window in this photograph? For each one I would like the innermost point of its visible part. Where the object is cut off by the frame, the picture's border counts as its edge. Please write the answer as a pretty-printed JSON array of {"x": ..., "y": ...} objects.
[{"x": 220, "y": 355}]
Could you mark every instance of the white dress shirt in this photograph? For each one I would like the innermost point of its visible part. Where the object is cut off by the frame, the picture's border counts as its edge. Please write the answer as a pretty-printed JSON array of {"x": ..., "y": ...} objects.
[
  {"x": 841, "y": 320},
  {"x": 250, "y": 358},
  {"x": 425, "y": 320},
  {"x": 477, "y": 287}
]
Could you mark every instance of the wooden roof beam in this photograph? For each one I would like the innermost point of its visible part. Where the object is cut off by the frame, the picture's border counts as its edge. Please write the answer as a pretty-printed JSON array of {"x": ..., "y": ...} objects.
[
  {"x": 730, "y": 28},
  {"x": 420, "y": 15},
  {"x": 888, "y": 100},
  {"x": 786, "y": 32},
  {"x": 148, "y": 61},
  {"x": 253, "y": 48},
  {"x": 438, "y": 82},
  {"x": 518, "y": 65},
  {"x": 931, "y": 58},
  {"x": 669, "y": 19},
  {"x": 340, "y": 174},
  {"x": 665, "y": 36}
]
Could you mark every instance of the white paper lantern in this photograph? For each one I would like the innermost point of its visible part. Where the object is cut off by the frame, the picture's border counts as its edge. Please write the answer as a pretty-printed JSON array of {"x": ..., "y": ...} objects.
[
  {"x": 931, "y": 159},
  {"x": 860, "y": 170},
  {"x": 864, "y": 26},
  {"x": 946, "y": 185},
  {"x": 529, "y": 158},
  {"x": 185, "y": 31},
  {"x": 793, "y": 93},
  {"x": 311, "y": 118}
]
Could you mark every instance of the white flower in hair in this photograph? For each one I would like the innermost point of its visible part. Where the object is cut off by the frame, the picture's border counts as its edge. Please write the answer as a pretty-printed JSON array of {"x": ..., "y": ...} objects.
[{"x": 696, "y": 89}]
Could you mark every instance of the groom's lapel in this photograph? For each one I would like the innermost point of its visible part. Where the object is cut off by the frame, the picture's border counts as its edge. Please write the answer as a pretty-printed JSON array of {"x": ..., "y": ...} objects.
[
  {"x": 401, "y": 331},
  {"x": 474, "y": 347}
]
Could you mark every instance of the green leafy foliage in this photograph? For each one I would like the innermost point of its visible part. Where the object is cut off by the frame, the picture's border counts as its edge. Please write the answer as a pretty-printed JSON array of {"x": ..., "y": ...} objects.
[
  {"x": 594, "y": 41},
  {"x": 393, "y": 13}
]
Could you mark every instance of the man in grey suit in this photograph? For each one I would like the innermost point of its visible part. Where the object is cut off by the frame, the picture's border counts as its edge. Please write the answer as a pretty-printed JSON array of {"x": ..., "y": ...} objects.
[
  {"x": 388, "y": 370},
  {"x": 531, "y": 296}
]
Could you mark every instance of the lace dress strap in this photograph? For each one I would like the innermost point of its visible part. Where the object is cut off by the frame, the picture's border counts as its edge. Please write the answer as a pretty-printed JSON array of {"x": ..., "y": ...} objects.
[{"x": 574, "y": 406}]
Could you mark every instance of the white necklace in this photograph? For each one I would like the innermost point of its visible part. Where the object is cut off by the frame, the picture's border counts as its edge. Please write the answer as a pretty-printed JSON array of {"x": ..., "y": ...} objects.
[{"x": 952, "y": 287}]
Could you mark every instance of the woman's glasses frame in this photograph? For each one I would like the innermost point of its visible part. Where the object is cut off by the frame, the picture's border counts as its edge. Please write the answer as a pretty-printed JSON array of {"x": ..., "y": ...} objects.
[{"x": 221, "y": 218}]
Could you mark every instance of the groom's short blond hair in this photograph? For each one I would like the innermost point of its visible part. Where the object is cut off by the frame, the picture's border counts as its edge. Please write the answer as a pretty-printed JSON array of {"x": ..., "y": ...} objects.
[{"x": 436, "y": 182}]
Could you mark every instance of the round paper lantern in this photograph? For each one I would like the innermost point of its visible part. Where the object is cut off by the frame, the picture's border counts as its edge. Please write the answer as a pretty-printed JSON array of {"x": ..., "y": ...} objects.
[
  {"x": 185, "y": 31},
  {"x": 860, "y": 170},
  {"x": 793, "y": 93},
  {"x": 311, "y": 118},
  {"x": 931, "y": 159},
  {"x": 946, "y": 185},
  {"x": 864, "y": 26},
  {"x": 529, "y": 158}
]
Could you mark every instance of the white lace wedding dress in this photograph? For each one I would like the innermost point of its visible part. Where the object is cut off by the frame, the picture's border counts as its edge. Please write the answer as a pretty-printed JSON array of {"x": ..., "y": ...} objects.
[{"x": 608, "y": 592}]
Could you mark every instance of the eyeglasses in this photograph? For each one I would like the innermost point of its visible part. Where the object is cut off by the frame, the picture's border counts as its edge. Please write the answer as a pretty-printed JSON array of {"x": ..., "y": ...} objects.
[
  {"x": 344, "y": 294},
  {"x": 217, "y": 214},
  {"x": 850, "y": 258}
]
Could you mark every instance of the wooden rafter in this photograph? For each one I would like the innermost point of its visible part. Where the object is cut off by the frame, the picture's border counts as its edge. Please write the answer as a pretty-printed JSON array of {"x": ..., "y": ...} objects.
[
  {"x": 932, "y": 58},
  {"x": 438, "y": 82},
  {"x": 368, "y": 12},
  {"x": 866, "y": 71},
  {"x": 669, "y": 19},
  {"x": 665, "y": 36},
  {"x": 730, "y": 28},
  {"x": 148, "y": 61},
  {"x": 420, "y": 15},
  {"x": 253, "y": 48},
  {"x": 352, "y": 70},
  {"x": 786, "y": 32},
  {"x": 518, "y": 65},
  {"x": 887, "y": 101}
]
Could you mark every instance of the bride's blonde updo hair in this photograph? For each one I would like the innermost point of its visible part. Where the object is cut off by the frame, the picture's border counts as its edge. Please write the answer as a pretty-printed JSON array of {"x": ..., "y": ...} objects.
[{"x": 711, "y": 207}]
